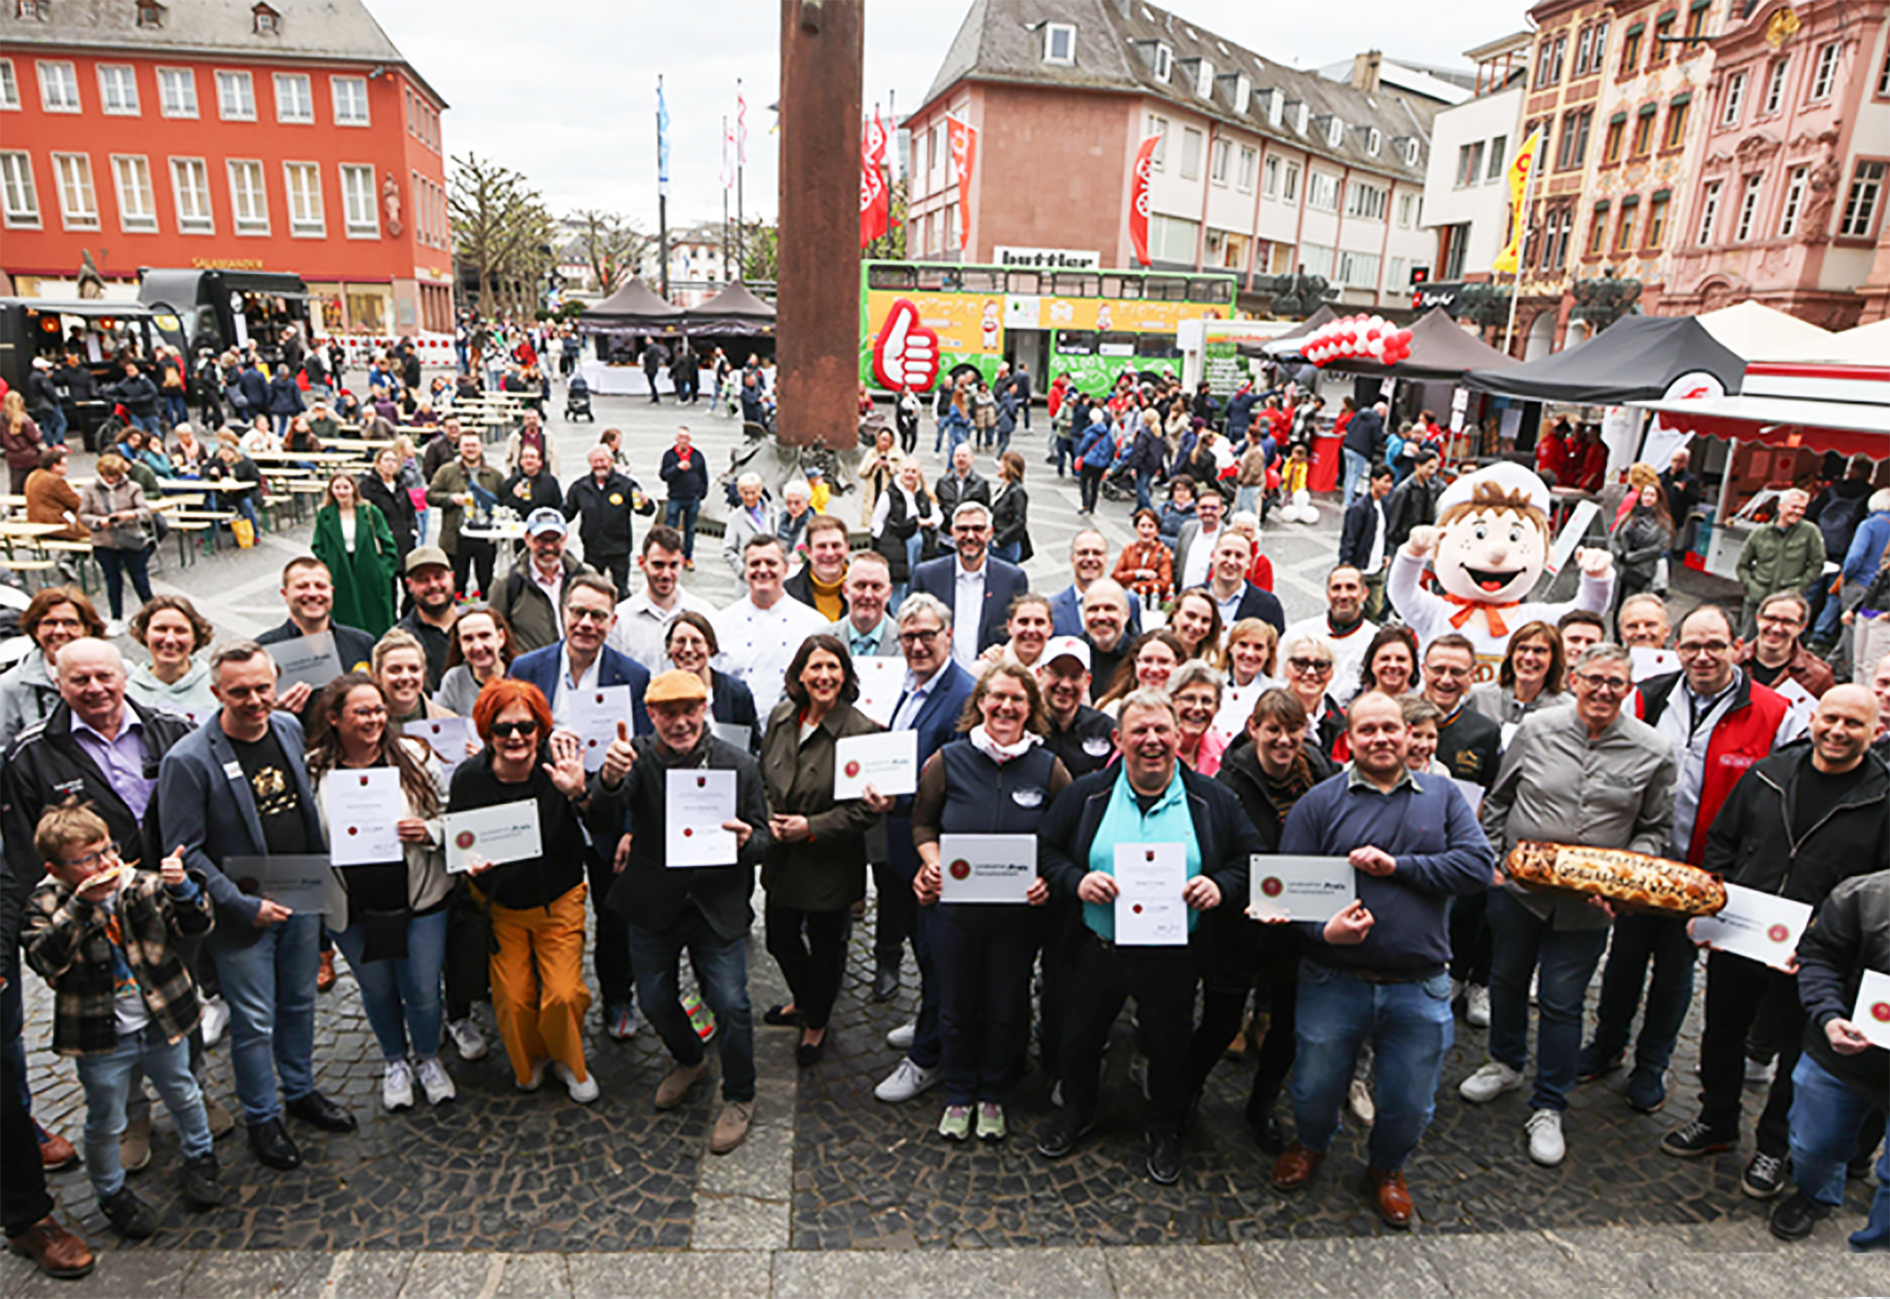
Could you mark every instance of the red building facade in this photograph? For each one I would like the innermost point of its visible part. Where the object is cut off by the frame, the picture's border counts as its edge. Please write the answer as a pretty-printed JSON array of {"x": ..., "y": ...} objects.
[{"x": 284, "y": 136}]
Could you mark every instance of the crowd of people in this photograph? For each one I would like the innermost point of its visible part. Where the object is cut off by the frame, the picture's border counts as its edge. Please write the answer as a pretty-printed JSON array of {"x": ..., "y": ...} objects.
[{"x": 1159, "y": 700}]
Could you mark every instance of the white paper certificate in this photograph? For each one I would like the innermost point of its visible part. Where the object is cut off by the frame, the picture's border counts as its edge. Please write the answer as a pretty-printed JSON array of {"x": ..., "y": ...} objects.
[
  {"x": 300, "y": 883},
  {"x": 447, "y": 737},
  {"x": 306, "y": 659},
  {"x": 1149, "y": 908},
  {"x": 986, "y": 867},
  {"x": 594, "y": 715},
  {"x": 363, "y": 809},
  {"x": 1872, "y": 1013},
  {"x": 1650, "y": 661},
  {"x": 1761, "y": 927},
  {"x": 1573, "y": 531},
  {"x": 881, "y": 680},
  {"x": 1300, "y": 888},
  {"x": 732, "y": 733},
  {"x": 695, "y": 803},
  {"x": 503, "y": 833},
  {"x": 889, "y": 762}
]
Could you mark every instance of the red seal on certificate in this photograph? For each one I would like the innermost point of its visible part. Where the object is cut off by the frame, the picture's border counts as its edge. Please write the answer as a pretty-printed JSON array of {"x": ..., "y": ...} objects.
[
  {"x": 961, "y": 869},
  {"x": 353, "y": 830},
  {"x": 853, "y": 769},
  {"x": 464, "y": 840},
  {"x": 688, "y": 833},
  {"x": 1881, "y": 1012},
  {"x": 1137, "y": 908},
  {"x": 1272, "y": 887},
  {"x": 1778, "y": 933}
]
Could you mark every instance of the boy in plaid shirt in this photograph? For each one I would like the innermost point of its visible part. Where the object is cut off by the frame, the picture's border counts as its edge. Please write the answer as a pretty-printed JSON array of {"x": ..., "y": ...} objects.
[{"x": 101, "y": 933}]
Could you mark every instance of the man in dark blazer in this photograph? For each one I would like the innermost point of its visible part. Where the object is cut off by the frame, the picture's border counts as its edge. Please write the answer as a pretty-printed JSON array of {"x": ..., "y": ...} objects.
[
  {"x": 1194, "y": 544},
  {"x": 309, "y": 592},
  {"x": 930, "y": 703},
  {"x": 584, "y": 662},
  {"x": 1237, "y": 597},
  {"x": 960, "y": 483},
  {"x": 1089, "y": 562},
  {"x": 237, "y": 786},
  {"x": 975, "y": 587},
  {"x": 1364, "y": 539}
]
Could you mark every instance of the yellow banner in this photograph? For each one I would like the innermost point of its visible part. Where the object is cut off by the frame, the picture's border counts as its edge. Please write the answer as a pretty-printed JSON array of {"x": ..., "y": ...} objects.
[
  {"x": 1510, "y": 258},
  {"x": 975, "y": 322}
]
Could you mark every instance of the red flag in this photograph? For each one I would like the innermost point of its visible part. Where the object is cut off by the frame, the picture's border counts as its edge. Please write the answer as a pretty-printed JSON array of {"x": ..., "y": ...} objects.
[
  {"x": 876, "y": 141},
  {"x": 964, "y": 146},
  {"x": 875, "y": 198},
  {"x": 1138, "y": 199}
]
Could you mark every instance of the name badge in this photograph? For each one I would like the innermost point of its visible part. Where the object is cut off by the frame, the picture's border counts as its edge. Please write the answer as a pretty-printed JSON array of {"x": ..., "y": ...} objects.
[
  {"x": 1097, "y": 746},
  {"x": 1031, "y": 797},
  {"x": 233, "y": 769}
]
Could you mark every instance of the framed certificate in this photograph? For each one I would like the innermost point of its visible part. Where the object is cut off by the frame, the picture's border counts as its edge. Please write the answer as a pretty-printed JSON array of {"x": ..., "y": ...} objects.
[
  {"x": 364, "y": 807},
  {"x": 502, "y": 833},
  {"x": 304, "y": 884},
  {"x": 1759, "y": 926},
  {"x": 889, "y": 762},
  {"x": 986, "y": 867},
  {"x": 306, "y": 660},
  {"x": 1149, "y": 908},
  {"x": 1300, "y": 888}
]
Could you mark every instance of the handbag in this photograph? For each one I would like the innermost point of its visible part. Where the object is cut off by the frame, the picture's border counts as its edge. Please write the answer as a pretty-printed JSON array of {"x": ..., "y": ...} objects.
[{"x": 244, "y": 532}]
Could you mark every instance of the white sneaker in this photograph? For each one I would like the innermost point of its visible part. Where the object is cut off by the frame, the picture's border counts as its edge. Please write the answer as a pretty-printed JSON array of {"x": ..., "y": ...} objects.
[
  {"x": 1476, "y": 1006},
  {"x": 435, "y": 1081},
  {"x": 397, "y": 1087},
  {"x": 900, "y": 1039},
  {"x": 1491, "y": 1081},
  {"x": 1456, "y": 990},
  {"x": 1761, "y": 1074},
  {"x": 467, "y": 1039},
  {"x": 216, "y": 1018},
  {"x": 1359, "y": 1099},
  {"x": 582, "y": 1092},
  {"x": 907, "y": 1081},
  {"x": 1546, "y": 1146},
  {"x": 114, "y": 628}
]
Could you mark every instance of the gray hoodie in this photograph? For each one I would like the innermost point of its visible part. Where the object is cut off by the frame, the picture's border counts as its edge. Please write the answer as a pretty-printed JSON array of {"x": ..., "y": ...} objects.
[{"x": 190, "y": 695}]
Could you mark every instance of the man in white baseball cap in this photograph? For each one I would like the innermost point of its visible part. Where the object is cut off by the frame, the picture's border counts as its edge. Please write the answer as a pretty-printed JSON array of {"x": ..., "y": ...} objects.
[{"x": 531, "y": 596}]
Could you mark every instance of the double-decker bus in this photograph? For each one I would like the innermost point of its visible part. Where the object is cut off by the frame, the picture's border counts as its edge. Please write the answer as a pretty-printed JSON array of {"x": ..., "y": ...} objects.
[{"x": 1094, "y": 324}]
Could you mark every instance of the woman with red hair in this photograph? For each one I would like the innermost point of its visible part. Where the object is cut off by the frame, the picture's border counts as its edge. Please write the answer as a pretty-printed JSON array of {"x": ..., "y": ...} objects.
[{"x": 537, "y": 904}]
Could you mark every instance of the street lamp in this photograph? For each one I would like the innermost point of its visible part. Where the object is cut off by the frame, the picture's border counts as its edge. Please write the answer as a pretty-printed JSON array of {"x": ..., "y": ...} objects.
[
  {"x": 1604, "y": 300},
  {"x": 1296, "y": 295}
]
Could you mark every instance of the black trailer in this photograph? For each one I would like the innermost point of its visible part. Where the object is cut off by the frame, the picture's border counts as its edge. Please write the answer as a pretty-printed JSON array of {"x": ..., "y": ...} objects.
[{"x": 222, "y": 309}]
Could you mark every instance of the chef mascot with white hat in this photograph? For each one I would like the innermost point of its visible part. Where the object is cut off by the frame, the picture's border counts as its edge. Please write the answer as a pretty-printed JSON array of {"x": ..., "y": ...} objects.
[{"x": 1490, "y": 545}]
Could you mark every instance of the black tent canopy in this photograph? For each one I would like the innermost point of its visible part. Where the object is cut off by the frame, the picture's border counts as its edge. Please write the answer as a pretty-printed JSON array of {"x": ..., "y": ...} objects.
[
  {"x": 1635, "y": 359},
  {"x": 732, "y": 311},
  {"x": 1440, "y": 349},
  {"x": 633, "y": 307}
]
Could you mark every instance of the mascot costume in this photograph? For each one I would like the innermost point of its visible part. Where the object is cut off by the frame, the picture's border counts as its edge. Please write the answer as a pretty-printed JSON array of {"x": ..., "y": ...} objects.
[{"x": 1490, "y": 545}]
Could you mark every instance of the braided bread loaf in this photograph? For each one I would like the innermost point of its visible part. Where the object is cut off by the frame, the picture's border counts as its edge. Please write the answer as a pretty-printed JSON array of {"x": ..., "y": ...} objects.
[{"x": 1628, "y": 879}]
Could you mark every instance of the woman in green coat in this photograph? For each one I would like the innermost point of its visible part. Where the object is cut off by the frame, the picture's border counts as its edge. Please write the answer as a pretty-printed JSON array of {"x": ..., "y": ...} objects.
[{"x": 353, "y": 539}]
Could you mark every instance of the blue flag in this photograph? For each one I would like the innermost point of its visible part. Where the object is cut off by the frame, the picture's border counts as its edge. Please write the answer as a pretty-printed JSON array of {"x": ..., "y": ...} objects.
[{"x": 662, "y": 141}]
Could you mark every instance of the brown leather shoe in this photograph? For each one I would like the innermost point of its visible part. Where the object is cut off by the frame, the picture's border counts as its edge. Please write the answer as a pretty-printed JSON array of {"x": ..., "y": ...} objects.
[
  {"x": 59, "y": 1254},
  {"x": 1295, "y": 1167},
  {"x": 325, "y": 972},
  {"x": 56, "y": 1154},
  {"x": 1389, "y": 1196}
]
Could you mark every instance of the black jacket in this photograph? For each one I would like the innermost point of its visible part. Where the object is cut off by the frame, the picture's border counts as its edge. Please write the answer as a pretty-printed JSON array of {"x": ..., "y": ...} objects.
[
  {"x": 1365, "y": 434},
  {"x": 1087, "y": 745},
  {"x": 691, "y": 484},
  {"x": 559, "y": 868},
  {"x": 1242, "y": 949},
  {"x": 801, "y": 587},
  {"x": 1470, "y": 745},
  {"x": 42, "y": 394},
  {"x": 950, "y": 494},
  {"x": 541, "y": 492},
  {"x": 651, "y": 895},
  {"x": 1751, "y": 839},
  {"x": 395, "y": 505},
  {"x": 137, "y": 393},
  {"x": 1010, "y": 519},
  {"x": 1412, "y": 504},
  {"x": 1849, "y": 934},
  {"x": 603, "y": 514},
  {"x": 1360, "y": 531}
]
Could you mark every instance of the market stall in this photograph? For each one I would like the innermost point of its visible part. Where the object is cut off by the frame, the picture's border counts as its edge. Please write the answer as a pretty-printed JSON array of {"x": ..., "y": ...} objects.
[
  {"x": 1442, "y": 352},
  {"x": 633, "y": 310}
]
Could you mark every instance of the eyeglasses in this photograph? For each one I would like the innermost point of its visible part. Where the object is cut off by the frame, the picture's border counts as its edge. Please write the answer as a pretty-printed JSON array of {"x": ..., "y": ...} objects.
[
  {"x": 505, "y": 730},
  {"x": 1774, "y": 620},
  {"x": 89, "y": 859},
  {"x": 1695, "y": 648},
  {"x": 1607, "y": 685},
  {"x": 918, "y": 637},
  {"x": 587, "y": 615},
  {"x": 1318, "y": 666}
]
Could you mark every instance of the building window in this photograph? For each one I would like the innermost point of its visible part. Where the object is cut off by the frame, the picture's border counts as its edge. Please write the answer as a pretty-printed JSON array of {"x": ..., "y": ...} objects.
[
  {"x": 1358, "y": 270},
  {"x": 1456, "y": 238},
  {"x": 1794, "y": 203},
  {"x": 1271, "y": 185},
  {"x": 1243, "y": 92},
  {"x": 1824, "y": 73},
  {"x": 249, "y": 206},
  {"x": 1676, "y": 123},
  {"x": 1549, "y": 60},
  {"x": 1190, "y": 153},
  {"x": 302, "y": 182},
  {"x": 357, "y": 202},
  {"x": 1657, "y": 220},
  {"x": 1469, "y": 163},
  {"x": 1157, "y": 158},
  {"x": 236, "y": 97},
  {"x": 1217, "y": 161},
  {"x": 1171, "y": 239},
  {"x": 16, "y": 189},
  {"x": 1735, "y": 104},
  {"x": 1322, "y": 191},
  {"x": 294, "y": 101},
  {"x": 1775, "y": 84},
  {"x": 1301, "y": 115},
  {"x": 1584, "y": 47},
  {"x": 1598, "y": 57},
  {"x": 150, "y": 14},
  {"x": 1499, "y": 150},
  {"x": 1663, "y": 33},
  {"x": 1611, "y": 142},
  {"x": 78, "y": 204},
  {"x": 1366, "y": 202},
  {"x": 1631, "y": 51},
  {"x": 137, "y": 204},
  {"x": 1644, "y": 131},
  {"x": 1597, "y": 228},
  {"x": 1164, "y": 62},
  {"x": 58, "y": 88},
  {"x": 118, "y": 89},
  {"x": 1709, "y": 213},
  {"x": 1276, "y": 108},
  {"x": 9, "y": 86},
  {"x": 190, "y": 182},
  {"x": 1059, "y": 43},
  {"x": 1860, "y": 205},
  {"x": 177, "y": 92},
  {"x": 1290, "y": 194},
  {"x": 1407, "y": 210},
  {"x": 1316, "y": 259},
  {"x": 268, "y": 21},
  {"x": 351, "y": 107},
  {"x": 1883, "y": 76},
  {"x": 1249, "y": 161},
  {"x": 1574, "y": 144},
  {"x": 1696, "y": 19},
  {"x": 1410, "y": 151},
  {"x": 1204, "y": 80},
  {"x": 37, "y": 10},
  {"x": 1372, "y": 141},
  {"x": 1335, "y": 133},
  {"x": 1558, "y": 222},
  {"x": 1748, "y": 208},
  {"x": 1624, "y": 232}
]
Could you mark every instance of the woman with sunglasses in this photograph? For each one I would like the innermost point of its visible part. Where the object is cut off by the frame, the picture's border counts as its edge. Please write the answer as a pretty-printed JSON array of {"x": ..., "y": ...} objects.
[
  {"x": 1309, "y": 663},
  {"x": 1531, "y": 678},
  {"x": 537, "y": 904}
]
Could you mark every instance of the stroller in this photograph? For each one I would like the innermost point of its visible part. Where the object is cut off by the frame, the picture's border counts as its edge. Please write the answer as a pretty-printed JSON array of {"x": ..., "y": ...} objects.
[{"x": 577, "y": 400}]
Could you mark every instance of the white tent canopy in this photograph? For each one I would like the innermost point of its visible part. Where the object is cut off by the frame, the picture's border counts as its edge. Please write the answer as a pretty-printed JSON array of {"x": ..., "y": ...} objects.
[
  {"x": 1761, "y": 333},
  {"x": 1865, "y": 345}
]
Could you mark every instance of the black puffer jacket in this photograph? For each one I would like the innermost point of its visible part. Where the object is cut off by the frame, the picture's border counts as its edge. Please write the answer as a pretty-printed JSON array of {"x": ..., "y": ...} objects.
[{"x": 1751, "y": 840}]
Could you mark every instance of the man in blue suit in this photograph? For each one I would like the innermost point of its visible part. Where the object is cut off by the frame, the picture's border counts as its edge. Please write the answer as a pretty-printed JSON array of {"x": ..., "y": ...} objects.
[
  {"x": 975, "y": 587},
  {"x": 237, "y": 786},
  {"x": 583, "y": 662},
  {"x": 930, "y": 703},
  {"x": 1089, "y": 563}
]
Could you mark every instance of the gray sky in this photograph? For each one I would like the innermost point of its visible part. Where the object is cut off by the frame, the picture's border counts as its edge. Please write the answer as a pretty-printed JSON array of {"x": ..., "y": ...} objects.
[{"x": 566, "y": 91}]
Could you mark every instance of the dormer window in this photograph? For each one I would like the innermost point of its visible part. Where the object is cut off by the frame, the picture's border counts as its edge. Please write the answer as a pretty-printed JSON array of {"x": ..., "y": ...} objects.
[
  {"x": 1335, "y": 131},
  {"x": 150, "y": 14},
  {"x": 268, "y": 21},
  {"x": 1243, "y": 92},
  {"x": 1059, "y": 43},
  {"x": 39, "y": 10},
  {"x": 1372, "y": 141},
  {"x": 1301, "y": 115},
  {"x": 1407, "y": 149},
  {"x": 1276, "y": 108},
  {"x": 1164, "y": 61},
  {"x": 1204, "y": 80}
]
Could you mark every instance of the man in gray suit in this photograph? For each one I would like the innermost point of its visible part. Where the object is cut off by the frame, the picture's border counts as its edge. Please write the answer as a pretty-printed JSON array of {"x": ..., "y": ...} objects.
[
  {"x": 237, "y": 786},
  {"x": 866, "y": 630}
]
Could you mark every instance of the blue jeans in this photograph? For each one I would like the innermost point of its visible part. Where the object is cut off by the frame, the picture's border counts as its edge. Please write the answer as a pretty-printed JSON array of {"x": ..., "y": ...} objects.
[
  {"x": 983, "y": 955},
  {"x": 107, "y": 1082},
  {"x": 269, "y": 985},
  {"x": 115, "y": 564},
  {"x": 721, "y": 966},
  {"x": 176, "y": 409},
  {"x": 1410, "y": 1027},
  {"x": 1825, "y": 624},
  {"x": 683, "y": 514},
  {"x": 1065, "y": 452},
  {"x": 1637, "y": 939},
  {"x": 402, "y": 997},
  {"x": 1010, "y": 552},
  {"x": 52, "y": 426},
  {"x": 1248, "y": 499},
  {"x": 1356, "y": 467},
  {"x": 1143, "y": 478},
  {"x": 1567, "y": 958},
  {"x": 243, "y": 503},
  {"x": 1826, "y": 1116}
]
